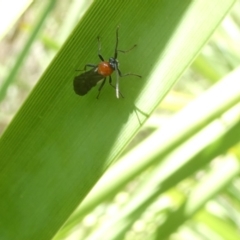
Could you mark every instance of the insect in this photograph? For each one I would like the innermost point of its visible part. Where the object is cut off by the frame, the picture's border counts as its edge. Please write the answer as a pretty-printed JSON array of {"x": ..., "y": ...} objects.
[{"x": 86, "y": 81}]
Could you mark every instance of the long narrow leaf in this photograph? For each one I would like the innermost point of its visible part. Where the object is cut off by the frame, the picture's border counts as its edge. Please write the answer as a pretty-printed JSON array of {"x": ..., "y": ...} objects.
[{"x": 59, "y": 144}]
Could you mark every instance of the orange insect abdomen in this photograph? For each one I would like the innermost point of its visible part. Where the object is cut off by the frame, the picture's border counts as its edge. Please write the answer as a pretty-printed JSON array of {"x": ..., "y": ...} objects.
[{"x": 105, "y": 69}]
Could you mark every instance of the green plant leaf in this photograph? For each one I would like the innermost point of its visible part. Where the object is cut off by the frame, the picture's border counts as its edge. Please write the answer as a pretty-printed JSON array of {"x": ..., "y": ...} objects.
[
  {"x": 23, "y": 54},
  {"x": 59, "y": 144}
]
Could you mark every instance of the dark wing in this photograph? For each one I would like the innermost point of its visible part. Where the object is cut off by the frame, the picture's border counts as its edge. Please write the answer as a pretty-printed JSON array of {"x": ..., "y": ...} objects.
[{"x": 84, "y": 82}]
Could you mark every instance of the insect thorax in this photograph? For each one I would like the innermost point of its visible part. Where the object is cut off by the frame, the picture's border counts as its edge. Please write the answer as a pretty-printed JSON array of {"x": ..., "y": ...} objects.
[{"x": 113, "y": 62}]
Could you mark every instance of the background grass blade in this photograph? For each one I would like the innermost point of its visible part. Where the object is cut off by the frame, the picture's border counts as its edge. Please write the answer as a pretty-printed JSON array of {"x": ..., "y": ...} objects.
[{"x": 20, "y": 60}]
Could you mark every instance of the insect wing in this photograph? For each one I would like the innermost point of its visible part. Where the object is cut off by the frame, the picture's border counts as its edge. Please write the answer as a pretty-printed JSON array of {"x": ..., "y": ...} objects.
[{"x": 83, "y": 83}]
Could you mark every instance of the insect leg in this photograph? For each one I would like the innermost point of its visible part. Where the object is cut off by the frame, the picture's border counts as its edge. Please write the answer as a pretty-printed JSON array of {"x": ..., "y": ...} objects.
[
  {"x": 110, "y": 82},
  {"x": 99, "y": 49},
  {"x": 128, "y": 74},
  {"x": 101, "y": 86},
  {"x": 87, "y": 65}
]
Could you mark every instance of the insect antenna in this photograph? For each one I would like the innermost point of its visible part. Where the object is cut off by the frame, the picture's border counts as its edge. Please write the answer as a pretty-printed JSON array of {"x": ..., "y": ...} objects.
[
  {"x": 116, "y": 46},
  {"x": 99, "y": 49}
]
